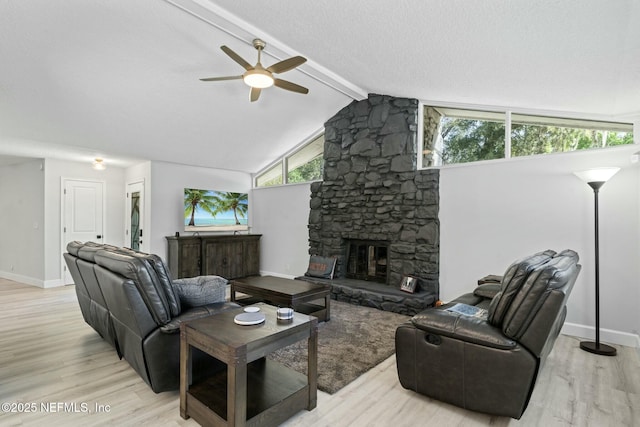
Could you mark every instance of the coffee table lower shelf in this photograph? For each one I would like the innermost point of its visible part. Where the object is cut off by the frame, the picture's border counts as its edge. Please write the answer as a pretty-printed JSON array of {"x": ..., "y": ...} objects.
[{"x": 274, "y": 393}]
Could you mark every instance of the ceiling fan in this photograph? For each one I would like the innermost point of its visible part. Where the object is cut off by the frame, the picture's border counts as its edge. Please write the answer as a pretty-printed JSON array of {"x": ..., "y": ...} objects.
[{"x": 258, "y": 77}]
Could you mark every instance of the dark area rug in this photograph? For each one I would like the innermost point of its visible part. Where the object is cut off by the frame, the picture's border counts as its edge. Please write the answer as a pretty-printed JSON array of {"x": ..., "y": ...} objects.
[{"x": 355, "y": 340}]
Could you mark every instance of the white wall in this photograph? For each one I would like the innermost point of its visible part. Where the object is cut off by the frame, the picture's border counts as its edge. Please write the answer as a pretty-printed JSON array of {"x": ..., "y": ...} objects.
[
  {"x": 166, "y": 207},
  {"x": 22, "y": 222},
  {"x": 30, "y": 216},
  {"x": 281, "y": 215},
  {"x": 55, "y": 170},
  {"x": 495, "y": 212}
]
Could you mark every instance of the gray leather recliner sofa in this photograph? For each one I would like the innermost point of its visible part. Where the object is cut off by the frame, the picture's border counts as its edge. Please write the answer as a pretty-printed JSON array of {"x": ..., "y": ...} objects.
[
  {"x": 488, "y": 358},
  {"x": 129, "y": 298}
]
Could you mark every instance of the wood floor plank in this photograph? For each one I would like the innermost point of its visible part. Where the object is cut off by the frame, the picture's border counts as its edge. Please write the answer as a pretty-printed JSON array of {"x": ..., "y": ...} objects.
[{"x": 50, "y": 356}]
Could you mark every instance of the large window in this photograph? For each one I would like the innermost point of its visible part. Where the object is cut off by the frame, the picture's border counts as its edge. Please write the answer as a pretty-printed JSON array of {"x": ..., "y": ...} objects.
[
  {"x": 460, "y": 136},
  {"x": 302, "y": 165}
]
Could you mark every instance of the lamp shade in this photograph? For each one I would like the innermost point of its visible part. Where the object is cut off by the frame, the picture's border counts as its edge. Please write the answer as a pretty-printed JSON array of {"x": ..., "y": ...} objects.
[{"x": 597, "y": 174}]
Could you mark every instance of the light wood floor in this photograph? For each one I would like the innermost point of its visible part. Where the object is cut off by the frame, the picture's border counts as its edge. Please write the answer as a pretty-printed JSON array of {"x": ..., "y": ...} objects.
[{"x": 49, "y": 355}]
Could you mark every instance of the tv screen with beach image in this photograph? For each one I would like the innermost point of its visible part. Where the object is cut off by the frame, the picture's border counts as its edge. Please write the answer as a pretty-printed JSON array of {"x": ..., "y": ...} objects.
[{"x": 208, "y": 210}]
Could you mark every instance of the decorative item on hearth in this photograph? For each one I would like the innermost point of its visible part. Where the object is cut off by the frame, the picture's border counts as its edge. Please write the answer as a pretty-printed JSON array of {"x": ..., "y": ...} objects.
[
  {"x": 596, "y": 178},
  {"x": 409, "y": 284},
  {"x": 323, "y": 267}
]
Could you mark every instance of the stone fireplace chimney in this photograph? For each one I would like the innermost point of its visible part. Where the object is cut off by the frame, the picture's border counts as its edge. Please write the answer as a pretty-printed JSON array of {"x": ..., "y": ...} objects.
[{"x": 372, "y": 190}]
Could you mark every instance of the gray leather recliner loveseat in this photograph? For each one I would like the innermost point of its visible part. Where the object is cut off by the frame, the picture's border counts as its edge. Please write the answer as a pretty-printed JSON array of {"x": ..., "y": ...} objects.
[
  {"x": 129, "y": 298},
  {"x": 484, "y": 350}
]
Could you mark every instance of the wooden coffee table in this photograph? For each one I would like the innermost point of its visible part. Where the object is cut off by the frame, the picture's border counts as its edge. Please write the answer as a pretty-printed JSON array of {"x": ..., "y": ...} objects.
[
  {"x": 252, "y": 390},
  {"x": 278, "y": 291}
]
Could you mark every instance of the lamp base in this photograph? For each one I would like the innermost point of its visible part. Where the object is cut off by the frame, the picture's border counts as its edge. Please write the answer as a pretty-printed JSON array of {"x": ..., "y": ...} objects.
[{"x": 598, "y": 348}]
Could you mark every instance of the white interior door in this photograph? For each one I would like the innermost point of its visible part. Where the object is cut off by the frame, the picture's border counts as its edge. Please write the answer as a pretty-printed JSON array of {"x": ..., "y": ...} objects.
[
  {"x": 83, "y": 214},
  {"x": 134, "y": 228}
]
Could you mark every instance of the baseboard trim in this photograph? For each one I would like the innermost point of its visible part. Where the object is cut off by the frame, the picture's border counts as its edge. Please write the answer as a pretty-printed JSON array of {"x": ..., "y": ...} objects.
[
  {"x": 606, "y": 335},
  {"x": 31, "y": 281},
  {"x": 284, "y": 276},
  {"x": 53, "y": 283},
  {"x": 22, "y": 279}
]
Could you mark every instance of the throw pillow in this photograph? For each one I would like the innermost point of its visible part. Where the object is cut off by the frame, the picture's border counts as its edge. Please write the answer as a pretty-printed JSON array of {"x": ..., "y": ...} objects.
[
  {"x": 201, "y": 290},
  {"x": 323, "y": 267}
]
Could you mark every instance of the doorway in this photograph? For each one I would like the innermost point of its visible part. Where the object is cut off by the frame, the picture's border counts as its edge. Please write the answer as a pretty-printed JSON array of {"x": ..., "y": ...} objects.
[
  {"x": 134, "y": 229},
  {"x": 82, "y": 215}
]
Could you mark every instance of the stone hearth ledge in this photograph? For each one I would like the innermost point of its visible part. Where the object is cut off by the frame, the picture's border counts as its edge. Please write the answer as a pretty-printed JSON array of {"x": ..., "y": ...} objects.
[{"x": 377, "y": 295}]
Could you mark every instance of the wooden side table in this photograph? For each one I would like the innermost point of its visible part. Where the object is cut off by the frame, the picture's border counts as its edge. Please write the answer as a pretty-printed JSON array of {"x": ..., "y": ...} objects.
[{"x": 252, "y": 390}]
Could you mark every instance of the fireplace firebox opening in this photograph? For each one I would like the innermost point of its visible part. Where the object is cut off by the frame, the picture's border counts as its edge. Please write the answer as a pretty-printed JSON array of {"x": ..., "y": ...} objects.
[{"x": 367, "y": 260}]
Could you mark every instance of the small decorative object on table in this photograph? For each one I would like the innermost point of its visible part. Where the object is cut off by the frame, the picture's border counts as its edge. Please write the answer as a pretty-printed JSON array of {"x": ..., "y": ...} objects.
[
  {"x": 251, "y": 318},
  {"x": 409, "y": 284},
  {"x": 284, "y": 314}
]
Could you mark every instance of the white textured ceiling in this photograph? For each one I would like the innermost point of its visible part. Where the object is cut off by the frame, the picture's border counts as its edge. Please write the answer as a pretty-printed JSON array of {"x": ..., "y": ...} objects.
[{"x": 119, "y": 79}]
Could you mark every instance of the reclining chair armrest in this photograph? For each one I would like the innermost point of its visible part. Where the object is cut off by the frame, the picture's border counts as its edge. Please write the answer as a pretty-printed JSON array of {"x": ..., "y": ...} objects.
[
  {"x": 487, "y": 290},
  {"x": 471, "y": 329},
  {"x": 201, "y": 290},
  {"x": 173, "y": 327}
]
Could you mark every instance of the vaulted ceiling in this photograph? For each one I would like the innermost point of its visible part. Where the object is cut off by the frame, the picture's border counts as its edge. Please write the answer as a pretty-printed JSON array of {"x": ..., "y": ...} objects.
[{"x": 119, "y": 79}]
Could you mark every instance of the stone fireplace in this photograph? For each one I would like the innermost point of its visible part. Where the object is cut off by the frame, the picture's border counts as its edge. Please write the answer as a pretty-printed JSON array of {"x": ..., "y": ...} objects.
[{"x": 372, "y": 193}]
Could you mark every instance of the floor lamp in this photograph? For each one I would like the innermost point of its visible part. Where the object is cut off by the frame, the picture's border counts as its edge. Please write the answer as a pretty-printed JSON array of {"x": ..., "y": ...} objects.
[{"x": 596, "y": 179}]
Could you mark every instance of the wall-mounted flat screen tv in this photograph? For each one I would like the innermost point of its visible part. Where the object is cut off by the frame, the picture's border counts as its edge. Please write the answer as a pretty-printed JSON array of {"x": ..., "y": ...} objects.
[{"x": 208, "y": 210}]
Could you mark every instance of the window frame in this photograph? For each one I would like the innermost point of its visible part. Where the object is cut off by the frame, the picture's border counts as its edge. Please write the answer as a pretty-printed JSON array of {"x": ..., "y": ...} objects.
[{"x": 283, "y": 162}]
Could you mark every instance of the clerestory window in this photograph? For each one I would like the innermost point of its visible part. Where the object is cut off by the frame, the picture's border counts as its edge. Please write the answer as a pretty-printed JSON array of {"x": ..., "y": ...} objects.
[
  {"x": 303, "y": 164},
  {"x": 459, "y": 136}
]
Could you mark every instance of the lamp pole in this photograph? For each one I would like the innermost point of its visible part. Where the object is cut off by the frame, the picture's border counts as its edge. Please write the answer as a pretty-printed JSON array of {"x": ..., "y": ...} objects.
[{"x": 596, "y": 178}]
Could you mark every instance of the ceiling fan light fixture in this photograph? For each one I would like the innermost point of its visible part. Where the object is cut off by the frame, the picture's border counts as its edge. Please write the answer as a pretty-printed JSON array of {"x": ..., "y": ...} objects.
[{"x": 258, "y": 78}]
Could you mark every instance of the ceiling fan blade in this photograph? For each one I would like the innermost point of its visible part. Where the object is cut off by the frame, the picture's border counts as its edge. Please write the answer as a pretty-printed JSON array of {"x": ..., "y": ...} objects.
[
  {"x": 287, "y": 64},
  {"x": 287, "y": 85},
  {"x": 254, "y": 94},
  {"x": 237, "y": 58},
  {"x": 217, "y": 79}
]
